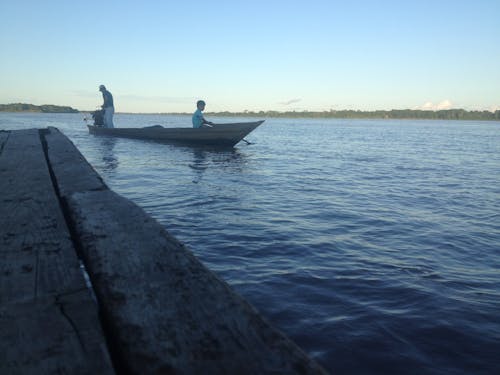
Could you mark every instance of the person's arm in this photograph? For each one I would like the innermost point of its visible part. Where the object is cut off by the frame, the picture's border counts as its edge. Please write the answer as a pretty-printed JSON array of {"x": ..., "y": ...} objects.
[{"x": 204, "y": 121}]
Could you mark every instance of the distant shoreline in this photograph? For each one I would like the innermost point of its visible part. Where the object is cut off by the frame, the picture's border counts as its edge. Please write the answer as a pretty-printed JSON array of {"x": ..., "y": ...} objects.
[
  {"x": 395, "y": 114},
  {"x": 45, "y": 108},
  {"x": 399, "y": 114}
]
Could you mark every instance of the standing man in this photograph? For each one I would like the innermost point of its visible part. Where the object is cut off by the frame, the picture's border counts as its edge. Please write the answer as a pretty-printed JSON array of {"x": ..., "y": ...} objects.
[{"x": 108, "y": 107}]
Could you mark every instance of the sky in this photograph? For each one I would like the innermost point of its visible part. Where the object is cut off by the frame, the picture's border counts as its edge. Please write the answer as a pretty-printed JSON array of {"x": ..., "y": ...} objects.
[{"x": 162, "y": 56}]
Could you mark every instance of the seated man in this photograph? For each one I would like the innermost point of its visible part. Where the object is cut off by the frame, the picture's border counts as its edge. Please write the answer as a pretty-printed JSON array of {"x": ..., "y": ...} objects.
[{"x": 198, "y": 119}]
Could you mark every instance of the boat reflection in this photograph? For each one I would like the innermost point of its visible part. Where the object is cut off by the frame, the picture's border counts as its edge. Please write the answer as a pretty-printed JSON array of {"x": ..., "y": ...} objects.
[
  {"x": 204, "y": 159},
  {"x": 199, "y": 164},
  {"x": 105, "y": 147}
]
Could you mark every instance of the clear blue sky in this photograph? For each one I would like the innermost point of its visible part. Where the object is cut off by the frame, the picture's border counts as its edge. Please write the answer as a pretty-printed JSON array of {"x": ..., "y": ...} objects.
[{"x": 161, "y": 56}]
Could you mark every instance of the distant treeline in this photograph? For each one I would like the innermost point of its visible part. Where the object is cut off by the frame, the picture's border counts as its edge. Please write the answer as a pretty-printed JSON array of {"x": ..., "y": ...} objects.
[
  {"x": 448, "y": 114},
  {"x": 46, "y": 108}
]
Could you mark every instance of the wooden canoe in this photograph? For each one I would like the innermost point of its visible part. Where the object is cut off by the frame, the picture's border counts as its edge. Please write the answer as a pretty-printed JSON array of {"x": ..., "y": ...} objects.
[{"x": 226, "y": 135}]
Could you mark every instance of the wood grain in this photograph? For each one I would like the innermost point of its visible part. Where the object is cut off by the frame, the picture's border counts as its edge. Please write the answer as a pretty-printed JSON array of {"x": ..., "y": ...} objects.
[{"x": 48, "y": 320}]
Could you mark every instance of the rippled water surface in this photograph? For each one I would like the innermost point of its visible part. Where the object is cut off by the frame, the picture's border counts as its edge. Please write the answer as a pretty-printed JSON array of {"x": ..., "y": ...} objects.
[{"x": 374, "y": 244}]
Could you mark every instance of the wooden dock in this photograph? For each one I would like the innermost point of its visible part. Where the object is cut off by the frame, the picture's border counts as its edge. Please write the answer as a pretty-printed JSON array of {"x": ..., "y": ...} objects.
[{"x": 91, "y": 284}]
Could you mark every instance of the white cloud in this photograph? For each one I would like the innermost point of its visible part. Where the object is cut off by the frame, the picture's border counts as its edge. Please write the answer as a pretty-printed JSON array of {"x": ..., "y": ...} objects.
[
  {"x": 430, "y": 106},
  {"x": 445, "y": 104},
  {"x": 291, "y": 101},
  {"x": 427, "y": 106}
]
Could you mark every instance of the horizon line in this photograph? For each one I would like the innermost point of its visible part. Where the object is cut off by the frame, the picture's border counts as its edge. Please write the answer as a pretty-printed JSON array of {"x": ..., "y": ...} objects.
[{"x": 246, "y": 111}]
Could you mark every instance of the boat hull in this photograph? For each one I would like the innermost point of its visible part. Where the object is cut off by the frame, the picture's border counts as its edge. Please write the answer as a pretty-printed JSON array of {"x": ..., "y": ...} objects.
[{"x": 226, "y": 135}]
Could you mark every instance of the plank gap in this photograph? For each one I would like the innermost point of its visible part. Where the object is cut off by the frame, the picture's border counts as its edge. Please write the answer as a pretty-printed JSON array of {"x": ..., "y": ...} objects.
[{"x": 116, "y": 361}]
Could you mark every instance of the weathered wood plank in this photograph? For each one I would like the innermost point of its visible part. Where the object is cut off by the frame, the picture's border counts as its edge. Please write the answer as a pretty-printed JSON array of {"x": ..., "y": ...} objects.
[
  {"x": 51, "y": 336},
  {"x": 42, "y": 290},
  {"x": 167, "y": 312},
  {"x": 70, "y": 163},
  {"x": 33, "y": 233},
  {"x": 3, "y": 138}
]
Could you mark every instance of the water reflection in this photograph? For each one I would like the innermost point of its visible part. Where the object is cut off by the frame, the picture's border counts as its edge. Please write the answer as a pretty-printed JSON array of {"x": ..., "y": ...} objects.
[
  {"x": 199, "y": 164},
  {"x": 105, "y": 148},
  {"x": 231, "y": 159}
]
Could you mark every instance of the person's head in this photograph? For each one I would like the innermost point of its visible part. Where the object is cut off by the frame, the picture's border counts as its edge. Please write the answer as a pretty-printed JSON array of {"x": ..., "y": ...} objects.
[
  {"x": 200, "y": 104},
  {"x": 102, "y": 88}
]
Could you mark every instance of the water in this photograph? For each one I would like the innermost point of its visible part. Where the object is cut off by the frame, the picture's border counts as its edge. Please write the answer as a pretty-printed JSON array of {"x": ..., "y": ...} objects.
[{"x": 373, "y": 244}]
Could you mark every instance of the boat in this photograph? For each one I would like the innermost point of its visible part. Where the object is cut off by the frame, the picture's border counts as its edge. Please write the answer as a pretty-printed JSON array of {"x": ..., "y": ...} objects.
[{"x": 227, "y": 135}]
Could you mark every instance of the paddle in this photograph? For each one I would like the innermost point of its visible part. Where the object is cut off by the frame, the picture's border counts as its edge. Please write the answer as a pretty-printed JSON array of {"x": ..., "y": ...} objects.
[{"x": 248, "y": 143}]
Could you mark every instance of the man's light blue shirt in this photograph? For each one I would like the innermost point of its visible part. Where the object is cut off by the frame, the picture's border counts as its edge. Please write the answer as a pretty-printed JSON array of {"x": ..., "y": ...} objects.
[{"x": 197, "y": 119}]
